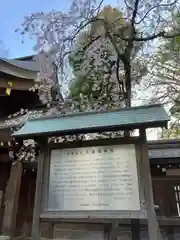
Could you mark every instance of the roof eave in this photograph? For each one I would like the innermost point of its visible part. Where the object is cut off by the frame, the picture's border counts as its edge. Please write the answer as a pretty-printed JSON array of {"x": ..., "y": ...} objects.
[{"x": 93, "y": 130}]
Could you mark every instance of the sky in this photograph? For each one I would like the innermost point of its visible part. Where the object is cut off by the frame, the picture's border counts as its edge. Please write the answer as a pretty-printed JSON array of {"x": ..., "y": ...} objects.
[{"x": 12, "y": 13}]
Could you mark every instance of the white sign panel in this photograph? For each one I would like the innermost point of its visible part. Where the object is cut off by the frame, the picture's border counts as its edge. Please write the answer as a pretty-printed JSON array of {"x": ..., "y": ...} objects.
[{"x": 94, "y": 179}]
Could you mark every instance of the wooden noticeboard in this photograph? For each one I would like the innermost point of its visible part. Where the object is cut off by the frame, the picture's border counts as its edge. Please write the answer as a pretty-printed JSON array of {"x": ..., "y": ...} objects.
[
  {"x": 126, "y": 162},
  {"x": 100, "y": 181}
]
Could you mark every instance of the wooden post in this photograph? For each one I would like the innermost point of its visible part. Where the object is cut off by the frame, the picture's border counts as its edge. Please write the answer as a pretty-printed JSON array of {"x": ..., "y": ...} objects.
[
  {"x": 11, "y": 200},
  {"x": 114, "y": 230},
  {"x": 38, "y": 193},
  {"x": 135, "y": 229},
  {"x": 1, "y": 197},
  {"x": 170, "y": 233},
  {"x": 153, "y": 226}
]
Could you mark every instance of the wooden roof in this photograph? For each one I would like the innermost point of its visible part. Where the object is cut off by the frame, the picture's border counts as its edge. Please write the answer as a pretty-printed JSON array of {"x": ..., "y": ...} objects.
[
  {"x": 19, "y": 68},
  {"x": 21, "y": 72},
  {"x": 129, "y": 118}
]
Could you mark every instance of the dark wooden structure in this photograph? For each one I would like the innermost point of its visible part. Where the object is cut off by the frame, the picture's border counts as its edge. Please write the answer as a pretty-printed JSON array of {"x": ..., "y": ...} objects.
[
  {"x": 128, "y": 119},
  {"x": 18, "y": 76},
  {"x": 165, "y": 171}
]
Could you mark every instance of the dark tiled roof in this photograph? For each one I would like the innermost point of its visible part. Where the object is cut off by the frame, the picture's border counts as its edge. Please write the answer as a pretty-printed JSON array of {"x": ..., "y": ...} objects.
[
  {"x": 26, "y": 58},
  {"x": 164, "y": 153},
  {"x": 166, "y": 148}
]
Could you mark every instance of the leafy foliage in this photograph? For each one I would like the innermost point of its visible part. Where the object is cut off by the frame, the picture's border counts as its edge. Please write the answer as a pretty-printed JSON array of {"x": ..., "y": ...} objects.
[
  {"x": 98, "y": 73},
  {"x": 165, "y": 79},
  {"x": 164, "y": 72},
  {"x": 173, "y": 132}
]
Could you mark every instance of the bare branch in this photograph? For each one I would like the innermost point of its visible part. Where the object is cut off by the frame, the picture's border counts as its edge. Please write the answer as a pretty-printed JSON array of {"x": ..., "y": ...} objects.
[
  {"x": 162, "y": 34},
  {"x": 132, "y": 31},
  {"x": 154, "y": 7}
]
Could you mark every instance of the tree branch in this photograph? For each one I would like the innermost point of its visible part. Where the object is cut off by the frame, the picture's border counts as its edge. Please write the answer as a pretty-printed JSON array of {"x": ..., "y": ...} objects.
[
  {"x": 162, "y": 34},
  {"x": 84, "y": 49},
  {"x": 121, "y": 83},
  {"x": 132, "y": 31},
  {"x": 156, "y": 6}
]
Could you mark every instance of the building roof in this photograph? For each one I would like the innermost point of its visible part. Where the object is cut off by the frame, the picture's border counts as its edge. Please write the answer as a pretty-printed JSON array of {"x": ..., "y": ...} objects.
[
  {"x": 22, "y": 68},
  {"x": 26, "y": 58},
  {"x": 129, "y": 118},
  {"x": 164, "y": 149},
  {"x": 164, "y": 153},
  {"x": 26, "y": 65}
]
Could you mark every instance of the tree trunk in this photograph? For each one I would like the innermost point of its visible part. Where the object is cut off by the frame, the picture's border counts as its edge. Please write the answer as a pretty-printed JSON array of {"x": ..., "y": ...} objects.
[
  {"x": 135, "y": 223},
  {"x": 127, "y": 69}
]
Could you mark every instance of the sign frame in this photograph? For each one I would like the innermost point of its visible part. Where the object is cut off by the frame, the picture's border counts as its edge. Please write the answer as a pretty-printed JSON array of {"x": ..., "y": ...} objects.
[{"x": 90, "y": 215}]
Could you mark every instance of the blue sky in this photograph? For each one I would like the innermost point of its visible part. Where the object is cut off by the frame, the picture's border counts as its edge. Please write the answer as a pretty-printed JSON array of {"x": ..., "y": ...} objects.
[{"x": 12, "y": 13}]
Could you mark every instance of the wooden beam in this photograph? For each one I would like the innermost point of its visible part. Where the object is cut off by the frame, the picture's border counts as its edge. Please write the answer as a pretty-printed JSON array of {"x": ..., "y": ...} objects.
[
  {"x": 153, "y": 226},
  {"x": 169, "y": 221},
  {"x": 1, "y": 197},
  {"x": 113, "y": 235},
  {"x": 11, "y": 200},
  {"x": 170, "y": 233},
  {"x": 18, "y": 84},
  {"x": 38, "y": 193}
]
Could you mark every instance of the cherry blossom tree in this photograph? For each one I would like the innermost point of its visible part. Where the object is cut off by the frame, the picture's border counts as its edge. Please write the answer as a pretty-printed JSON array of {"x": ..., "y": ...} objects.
[{"x": 57, "y": 32}]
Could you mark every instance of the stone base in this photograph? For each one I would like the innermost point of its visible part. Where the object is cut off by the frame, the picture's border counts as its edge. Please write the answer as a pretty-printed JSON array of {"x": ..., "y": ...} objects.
[
  {"x": 2, "y": 237},
  {"x": 78, "y": 232}
]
